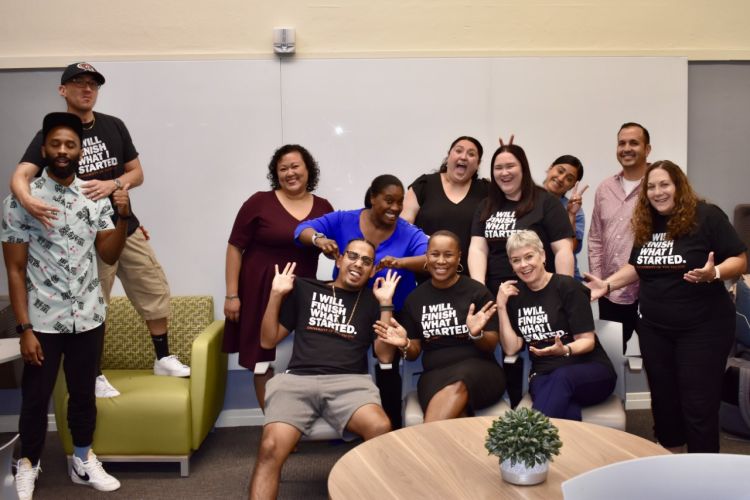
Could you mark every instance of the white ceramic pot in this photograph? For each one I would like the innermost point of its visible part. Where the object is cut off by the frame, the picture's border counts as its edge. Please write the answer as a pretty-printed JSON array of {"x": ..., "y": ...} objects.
[{"x": 522, "y": 475}]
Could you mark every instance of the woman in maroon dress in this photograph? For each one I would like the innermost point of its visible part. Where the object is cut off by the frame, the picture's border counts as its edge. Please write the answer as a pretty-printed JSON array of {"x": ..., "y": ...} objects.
[{"x": 262, "y": 236}]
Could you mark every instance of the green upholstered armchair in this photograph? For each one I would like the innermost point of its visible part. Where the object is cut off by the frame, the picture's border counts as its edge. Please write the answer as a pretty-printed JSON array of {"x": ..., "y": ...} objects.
[{"x": 155, "y": 418}]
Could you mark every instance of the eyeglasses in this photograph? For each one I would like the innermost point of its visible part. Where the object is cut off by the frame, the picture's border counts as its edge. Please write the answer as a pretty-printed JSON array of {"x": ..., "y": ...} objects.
[
  {"x": 83, "y": 83},
  {"x": 354, "y": 257}
]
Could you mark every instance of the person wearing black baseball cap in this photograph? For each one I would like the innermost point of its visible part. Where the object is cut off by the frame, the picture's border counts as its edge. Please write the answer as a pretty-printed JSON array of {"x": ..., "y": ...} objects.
[
  {"x": 57, "y": 299},
  {"x": 75, "y": 70},
  {"x": 108, "y": 161}
]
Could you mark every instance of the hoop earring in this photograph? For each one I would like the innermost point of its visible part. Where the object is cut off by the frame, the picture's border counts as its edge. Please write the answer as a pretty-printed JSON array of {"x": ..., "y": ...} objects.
[{"x": 460, "y": 268}]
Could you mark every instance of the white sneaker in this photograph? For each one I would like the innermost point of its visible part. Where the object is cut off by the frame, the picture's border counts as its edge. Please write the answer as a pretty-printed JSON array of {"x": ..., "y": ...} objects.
[
  {"x": 26, "y": 475},
  {"x": 91, "y": 473},
  {"x": 171, "y": 366},
  {"x": 103, "y": 389}
]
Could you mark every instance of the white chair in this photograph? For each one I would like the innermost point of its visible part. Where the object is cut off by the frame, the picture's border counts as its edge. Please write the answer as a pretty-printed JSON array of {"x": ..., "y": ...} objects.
[
  {"x": 693, "y": 476},
  {"x": 413, "y": 414},
  {"x": 610, "y": 412},
  {"x": 8, "y": 488}
]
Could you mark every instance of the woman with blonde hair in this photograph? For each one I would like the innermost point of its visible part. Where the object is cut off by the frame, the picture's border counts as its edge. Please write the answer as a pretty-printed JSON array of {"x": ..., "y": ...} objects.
[{"x": 551, "y": 314}]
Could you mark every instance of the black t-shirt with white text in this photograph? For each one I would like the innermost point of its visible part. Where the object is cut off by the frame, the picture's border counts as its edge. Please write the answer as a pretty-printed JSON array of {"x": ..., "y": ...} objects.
[
  {"x": 548, "y": 219},
  {"x": 332, "y": 331},
  {"x": 107, "y": 147},
  {"x": 560, "y": 309},
  {"x": 437, "y": 317},
  {"x": 665, "y": 298}
]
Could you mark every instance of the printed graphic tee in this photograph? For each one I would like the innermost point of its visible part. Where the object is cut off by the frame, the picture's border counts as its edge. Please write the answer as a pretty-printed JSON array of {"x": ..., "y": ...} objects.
[
  {"x": 560, "y": 309},
  {"x": 106, "y": 148},
  {"x": 332, "y": 331},
  {"x": 437, "y": 317},
  {"x": 666, "y": 298},
  {"x": 548, "y": 219}
]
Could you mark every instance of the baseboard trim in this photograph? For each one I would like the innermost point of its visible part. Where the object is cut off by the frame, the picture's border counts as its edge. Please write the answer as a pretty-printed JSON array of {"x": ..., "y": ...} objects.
[
  {"x": 638, "y": 401},
  {"x": 240, "y": 418}
]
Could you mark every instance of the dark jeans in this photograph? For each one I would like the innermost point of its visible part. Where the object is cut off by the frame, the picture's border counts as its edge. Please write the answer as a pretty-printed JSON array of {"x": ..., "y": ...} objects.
[
  {"x": 562, "y": 393},
  {"x": 685, "y": 370},
  {"x": 627, "y": 314},
  {"x": 79, "y": 351}
]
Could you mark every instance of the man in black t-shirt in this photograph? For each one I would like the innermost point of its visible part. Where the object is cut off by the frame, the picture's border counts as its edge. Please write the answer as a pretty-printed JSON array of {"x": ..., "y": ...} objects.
[
  {"x": 327, "y": 375},
  {"x": 108, "y": 162}
]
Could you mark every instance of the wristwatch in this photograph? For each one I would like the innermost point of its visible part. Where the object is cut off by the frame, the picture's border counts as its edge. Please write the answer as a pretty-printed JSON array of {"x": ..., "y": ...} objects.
[
  {"x": 118, "y": 184},
  {"x": 316, "y": 236},
  {"x": 22, "y": 327}
]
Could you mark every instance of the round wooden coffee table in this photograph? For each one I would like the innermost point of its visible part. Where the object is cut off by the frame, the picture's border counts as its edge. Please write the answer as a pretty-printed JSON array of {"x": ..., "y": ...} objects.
[{"x": 447, "y": 460}]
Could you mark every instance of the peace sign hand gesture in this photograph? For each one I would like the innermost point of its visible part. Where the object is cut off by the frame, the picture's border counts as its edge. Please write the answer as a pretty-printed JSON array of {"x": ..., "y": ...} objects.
[{"x": 576, "y": 198}]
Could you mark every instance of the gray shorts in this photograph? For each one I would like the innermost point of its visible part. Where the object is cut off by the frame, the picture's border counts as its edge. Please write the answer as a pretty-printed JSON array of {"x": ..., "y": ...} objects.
[{"x": 299, "y": 400}]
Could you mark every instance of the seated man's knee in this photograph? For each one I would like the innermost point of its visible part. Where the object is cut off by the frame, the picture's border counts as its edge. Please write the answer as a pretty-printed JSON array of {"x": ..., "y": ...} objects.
[
  {"x": 273, "y": 447},
  {"x": 370, "y": 421},
  {"x": 381, "y": 425}
]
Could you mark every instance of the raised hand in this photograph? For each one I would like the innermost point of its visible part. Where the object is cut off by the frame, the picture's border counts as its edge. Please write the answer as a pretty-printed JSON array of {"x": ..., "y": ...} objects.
[
  {"x": 283, "y": 282},
  {"x": 391, "y": 333},
  {"x": 121, "y": 200},
  {"x": 476, "y": 322},
  {"x": 576, "y": 198},
  {"x": 510, "y": 141},
  {"x": 597, "y": 286},
  {"x": 556, "y": 349},
  {"x": 384, "y": 288},
  {"x": 704, "y": 274},
  {"x": 506, "y": 290}
]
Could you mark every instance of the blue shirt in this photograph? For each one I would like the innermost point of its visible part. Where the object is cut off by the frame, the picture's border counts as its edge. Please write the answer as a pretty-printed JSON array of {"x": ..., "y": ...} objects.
[
  {"x": 407, "y": 240},
  {"x": 580, "y": 225}
]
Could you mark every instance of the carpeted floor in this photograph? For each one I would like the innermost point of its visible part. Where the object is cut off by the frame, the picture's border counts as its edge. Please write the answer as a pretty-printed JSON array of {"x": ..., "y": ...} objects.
[{"x": 221, "y": 468}]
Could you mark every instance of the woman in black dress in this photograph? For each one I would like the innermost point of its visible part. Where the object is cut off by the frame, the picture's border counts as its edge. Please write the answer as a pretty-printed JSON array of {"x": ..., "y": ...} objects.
[{"x": 451, "y": 318}]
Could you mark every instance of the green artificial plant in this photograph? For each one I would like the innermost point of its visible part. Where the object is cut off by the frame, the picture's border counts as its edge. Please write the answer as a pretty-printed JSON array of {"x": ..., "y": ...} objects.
[{"x": 523, "y": 435}]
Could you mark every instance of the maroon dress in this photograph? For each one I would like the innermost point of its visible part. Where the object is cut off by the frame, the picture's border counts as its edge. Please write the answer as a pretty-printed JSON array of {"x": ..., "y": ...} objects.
[{"x": 264, "y": 232}]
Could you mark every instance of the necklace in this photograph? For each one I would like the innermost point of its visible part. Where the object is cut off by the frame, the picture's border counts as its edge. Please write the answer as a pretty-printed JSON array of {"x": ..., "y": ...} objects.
[
  {"x": 90, "y": 126},
  {"x": 356, "y": 303}
]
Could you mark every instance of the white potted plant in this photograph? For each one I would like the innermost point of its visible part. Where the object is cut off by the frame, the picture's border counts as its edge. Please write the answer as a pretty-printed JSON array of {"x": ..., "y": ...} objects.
[{"x": 525, "y": 441}]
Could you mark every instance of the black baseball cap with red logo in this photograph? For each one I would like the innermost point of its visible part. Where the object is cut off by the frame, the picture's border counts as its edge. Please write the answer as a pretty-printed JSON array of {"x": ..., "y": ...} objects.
[{"x": 80, "y": 68}]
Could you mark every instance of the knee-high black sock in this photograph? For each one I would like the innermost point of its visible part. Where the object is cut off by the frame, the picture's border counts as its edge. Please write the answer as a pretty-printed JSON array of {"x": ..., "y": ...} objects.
[
  {"x": 161, "y": 345},
  {"x": 514, "y": 381},
  {"x": 389, "y": 383}
]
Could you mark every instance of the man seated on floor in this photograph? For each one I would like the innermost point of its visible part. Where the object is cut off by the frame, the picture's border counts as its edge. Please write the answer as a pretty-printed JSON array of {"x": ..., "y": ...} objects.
[{"x": 327, "y": 375}]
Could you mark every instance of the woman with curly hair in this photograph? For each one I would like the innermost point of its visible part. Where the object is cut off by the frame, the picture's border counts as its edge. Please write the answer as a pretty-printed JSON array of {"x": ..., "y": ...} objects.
[
  {"x": 262, "y": 236},
  {"x": 683, "y": 249}
]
